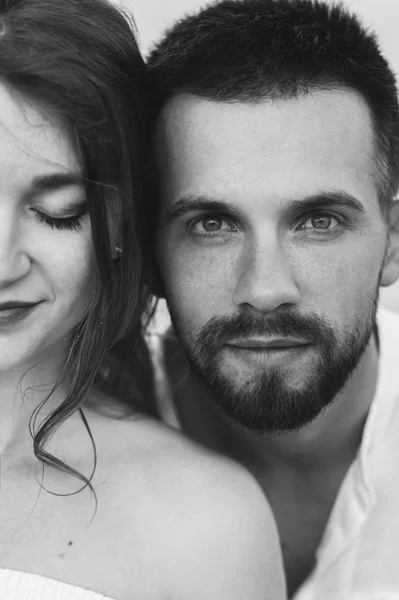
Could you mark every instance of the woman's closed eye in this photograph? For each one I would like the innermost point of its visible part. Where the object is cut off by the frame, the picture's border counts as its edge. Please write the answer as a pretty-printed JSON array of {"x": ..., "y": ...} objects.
[{"x": 71, "y": 223}]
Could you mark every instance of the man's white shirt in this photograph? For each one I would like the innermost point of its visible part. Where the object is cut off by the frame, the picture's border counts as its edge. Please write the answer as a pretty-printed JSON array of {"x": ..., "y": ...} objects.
[{"x": 358, "y": 558}]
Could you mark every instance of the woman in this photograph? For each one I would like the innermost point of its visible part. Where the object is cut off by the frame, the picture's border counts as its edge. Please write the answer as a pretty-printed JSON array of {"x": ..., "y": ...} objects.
[{"x": 90, "y": 504}]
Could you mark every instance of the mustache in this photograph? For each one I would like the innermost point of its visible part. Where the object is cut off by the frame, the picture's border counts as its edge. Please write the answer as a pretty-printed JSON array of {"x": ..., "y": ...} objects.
[{"x": 310, "y": 327}]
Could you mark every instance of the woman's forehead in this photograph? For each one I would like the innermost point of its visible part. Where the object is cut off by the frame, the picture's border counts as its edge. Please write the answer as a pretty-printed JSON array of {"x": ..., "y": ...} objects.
[{"x": 32, "y": 142}]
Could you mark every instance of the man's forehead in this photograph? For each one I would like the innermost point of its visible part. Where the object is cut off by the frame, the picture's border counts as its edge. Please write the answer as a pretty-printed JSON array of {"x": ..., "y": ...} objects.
[
  {"x": 319, "y": 141},
  {"x": 185, "y": 113}
]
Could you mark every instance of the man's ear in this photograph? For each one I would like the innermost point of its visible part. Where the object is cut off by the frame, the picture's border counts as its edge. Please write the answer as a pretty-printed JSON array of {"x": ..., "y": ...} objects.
[{"x": 390, "y": 272}]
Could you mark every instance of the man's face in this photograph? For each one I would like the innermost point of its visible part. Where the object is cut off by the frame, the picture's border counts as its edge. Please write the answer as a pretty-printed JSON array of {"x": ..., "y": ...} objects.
[{"x": 271, "y": 246}]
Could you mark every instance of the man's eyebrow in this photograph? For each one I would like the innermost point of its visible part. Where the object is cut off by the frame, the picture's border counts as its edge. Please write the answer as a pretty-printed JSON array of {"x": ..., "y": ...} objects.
[
  {"x": 324, "y": 199},
  {"x": 188, "y": 204},
  {"x": 54, "y": 181}
]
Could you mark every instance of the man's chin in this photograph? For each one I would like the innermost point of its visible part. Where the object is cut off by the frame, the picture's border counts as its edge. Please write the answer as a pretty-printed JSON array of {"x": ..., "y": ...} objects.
[
  {"x": 266, "y": 404},
  {"x": 295, "y": 377}
]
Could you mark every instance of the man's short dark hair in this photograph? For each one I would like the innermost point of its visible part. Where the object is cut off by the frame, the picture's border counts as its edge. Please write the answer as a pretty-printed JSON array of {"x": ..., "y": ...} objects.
[{"x": 254, "y": 50}]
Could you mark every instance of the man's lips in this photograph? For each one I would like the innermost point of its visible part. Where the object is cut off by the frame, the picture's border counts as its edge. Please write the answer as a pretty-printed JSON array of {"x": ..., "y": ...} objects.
[{"x": 267, "y": 344}]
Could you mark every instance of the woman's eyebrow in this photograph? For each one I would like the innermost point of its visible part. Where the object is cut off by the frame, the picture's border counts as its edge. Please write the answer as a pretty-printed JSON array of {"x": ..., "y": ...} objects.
[{"x": 54, "y": 181}]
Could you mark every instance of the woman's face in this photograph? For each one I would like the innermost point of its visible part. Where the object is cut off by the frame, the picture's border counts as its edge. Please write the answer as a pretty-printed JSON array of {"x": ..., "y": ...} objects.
[{"x": 46, "y": 252}]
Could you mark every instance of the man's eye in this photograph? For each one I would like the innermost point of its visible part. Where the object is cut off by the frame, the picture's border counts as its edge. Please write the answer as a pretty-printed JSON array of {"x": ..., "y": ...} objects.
[
  {"x": 319, "y": 222},
  {"x": 210, "y": 225}
]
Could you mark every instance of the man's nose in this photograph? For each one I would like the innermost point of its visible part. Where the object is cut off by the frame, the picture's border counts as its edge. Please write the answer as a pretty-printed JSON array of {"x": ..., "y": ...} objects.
[
  {"x": 266, "y": 282},
  {"x": 14, "y": 260}
]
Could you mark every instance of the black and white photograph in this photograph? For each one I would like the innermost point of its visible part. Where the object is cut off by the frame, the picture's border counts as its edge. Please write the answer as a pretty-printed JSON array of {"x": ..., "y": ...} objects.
[{"x": 199, "y": 300}]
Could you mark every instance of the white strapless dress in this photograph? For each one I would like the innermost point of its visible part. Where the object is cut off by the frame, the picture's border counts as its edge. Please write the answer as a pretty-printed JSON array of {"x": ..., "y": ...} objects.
[{"x": 15, "y": 585}]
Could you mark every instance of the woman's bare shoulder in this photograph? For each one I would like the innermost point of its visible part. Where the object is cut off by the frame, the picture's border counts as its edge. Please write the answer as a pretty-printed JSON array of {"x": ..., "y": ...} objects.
[
  {"x": 206, "y": 520},
  {"x": 142, "y": 445},
  {"x": 145, "y": 447}
]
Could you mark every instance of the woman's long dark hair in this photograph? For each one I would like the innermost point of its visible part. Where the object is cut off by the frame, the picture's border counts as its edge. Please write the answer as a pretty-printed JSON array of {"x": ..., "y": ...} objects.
[{"x": 79, "y": 61}]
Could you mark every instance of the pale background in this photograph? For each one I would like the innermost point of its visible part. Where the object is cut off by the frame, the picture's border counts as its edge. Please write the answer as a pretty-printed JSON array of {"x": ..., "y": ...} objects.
[{"x": 153, "y": 16}]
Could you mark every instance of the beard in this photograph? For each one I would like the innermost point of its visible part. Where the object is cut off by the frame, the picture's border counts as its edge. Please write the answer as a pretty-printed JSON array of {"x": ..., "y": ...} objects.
[{"x": 266, "y": 401}]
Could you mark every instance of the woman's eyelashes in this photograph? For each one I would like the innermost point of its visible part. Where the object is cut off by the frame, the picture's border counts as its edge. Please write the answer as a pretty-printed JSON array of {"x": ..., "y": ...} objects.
[{"x": 71, "y": 222}]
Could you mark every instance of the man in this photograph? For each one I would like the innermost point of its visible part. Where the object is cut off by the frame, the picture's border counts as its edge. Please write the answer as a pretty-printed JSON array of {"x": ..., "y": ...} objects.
[{"x": 277, "y": 149}]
